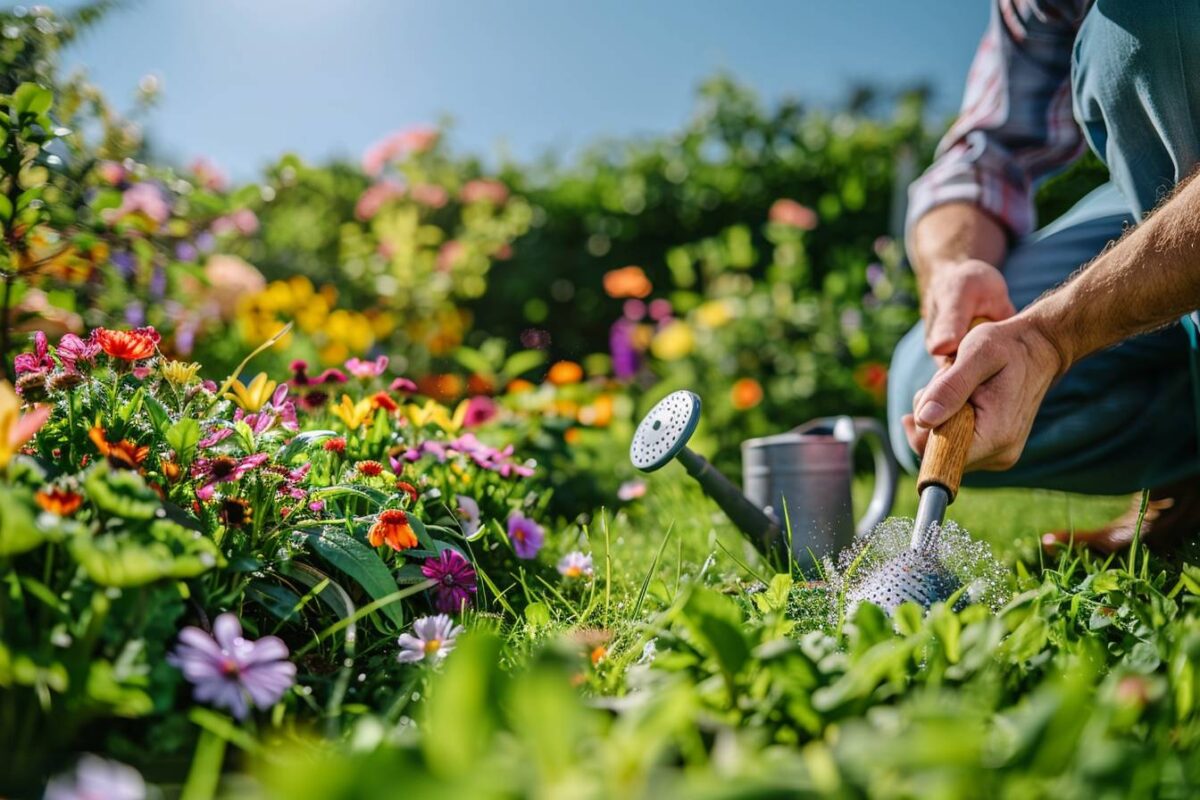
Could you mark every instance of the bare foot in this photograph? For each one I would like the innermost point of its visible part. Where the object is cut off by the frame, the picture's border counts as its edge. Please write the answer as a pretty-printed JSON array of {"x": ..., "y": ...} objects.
[{"x": 1172, "y": 515}]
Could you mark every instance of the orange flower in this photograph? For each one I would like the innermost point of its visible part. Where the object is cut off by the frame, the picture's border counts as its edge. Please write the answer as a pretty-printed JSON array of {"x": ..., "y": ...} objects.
[
  {"x": 369, "y": 468},
  {"x": 746, "y": 394},
  {"x": 408, "y": 489},
  {"x": 124, "y": 454},
  {"x": 564, "y": 373},
  {"x": 599, "y": 653},
  {"x": 58, "y": 501},
  {"x": 627, "y": 282},
  {"x": 444, "y": 388},
  {"x": 392, "y": 527},
  {"x": 383, "y": 400},
  {"x": 572, "y": 435},
  {"x": 479, "y": 384},
  {"x": 170, "y": 469},
  {"x": 127, "y": 345},
  {"x": 519, "y": 386}
]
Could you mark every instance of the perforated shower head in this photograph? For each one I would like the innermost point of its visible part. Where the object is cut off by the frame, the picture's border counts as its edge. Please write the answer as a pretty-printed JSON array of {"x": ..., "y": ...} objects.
[
  {"x": 916, "y": 576},
  {"x": 665, "y": 431}
]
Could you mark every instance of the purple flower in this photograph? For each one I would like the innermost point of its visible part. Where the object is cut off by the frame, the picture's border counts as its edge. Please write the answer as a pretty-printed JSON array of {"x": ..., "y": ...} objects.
[
  {"x": 431, "y": 637},
  {"x": 230, "y": 671},
  {"x": 526, "y": 536},
  {"x": 367, "y": 369},
  {"x": 456, "y": 581},
  {"x": 626, "y": 359},
  {"x": 96, "y": 778},
  {"x": 72, "y": 350}
]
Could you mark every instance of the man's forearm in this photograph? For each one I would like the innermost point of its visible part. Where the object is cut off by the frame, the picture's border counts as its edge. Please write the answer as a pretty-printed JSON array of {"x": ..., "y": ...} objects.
[
  {"x": 953, "y": 233},
  {"x": 1149, "y": 279}
]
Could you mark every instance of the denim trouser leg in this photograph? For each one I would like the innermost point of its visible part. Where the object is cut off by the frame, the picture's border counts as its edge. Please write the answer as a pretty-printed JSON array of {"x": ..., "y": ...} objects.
[{"x": 1118, "y": 421}]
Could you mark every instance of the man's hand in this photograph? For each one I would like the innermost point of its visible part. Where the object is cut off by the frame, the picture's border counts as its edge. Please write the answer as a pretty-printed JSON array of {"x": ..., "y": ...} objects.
[
  {"x": 956, "y": 294},
  {"x": 1004, "y": 369}
]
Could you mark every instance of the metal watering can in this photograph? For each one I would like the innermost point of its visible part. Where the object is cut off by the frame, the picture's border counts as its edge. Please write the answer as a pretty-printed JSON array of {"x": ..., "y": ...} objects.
[{"x": 796, "y": 484}]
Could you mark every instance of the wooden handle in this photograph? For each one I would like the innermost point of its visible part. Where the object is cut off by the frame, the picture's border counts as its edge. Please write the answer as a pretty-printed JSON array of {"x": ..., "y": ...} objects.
[{"x": 946, "y": 452}]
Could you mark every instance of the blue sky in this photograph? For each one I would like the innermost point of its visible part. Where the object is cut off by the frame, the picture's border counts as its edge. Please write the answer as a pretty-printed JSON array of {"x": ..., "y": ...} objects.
[{"x": 245, "y": 80}]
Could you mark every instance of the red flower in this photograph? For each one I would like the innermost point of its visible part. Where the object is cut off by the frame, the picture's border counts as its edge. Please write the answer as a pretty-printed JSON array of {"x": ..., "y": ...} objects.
[
  {"x": 382, "y": 400},
  {"x": 392, "y": 528},
  {"x": 335, "y": 445},
  {"x": 127, "y": 345},
  {"x": 369, "y": 468},
  {"x": 408, "y": 489}
]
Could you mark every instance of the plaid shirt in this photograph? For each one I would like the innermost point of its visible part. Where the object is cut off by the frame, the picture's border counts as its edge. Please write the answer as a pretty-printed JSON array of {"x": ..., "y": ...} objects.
[{"x": 1016, "y": 125}]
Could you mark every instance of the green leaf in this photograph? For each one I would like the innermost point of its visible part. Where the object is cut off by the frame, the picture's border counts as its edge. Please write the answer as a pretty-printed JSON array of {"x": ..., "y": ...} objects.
[
  {"x": 18, "y": 528},
  {"x": 121, "y": 493},
  {"x": 775, "y": 597},
  {"x": 537, "y": 615},
  {"x": 473, "y": 360},
  {"x": 300, "y": 443},
  {"x": 128, "y": 559},
  {"x": 716, "y": 624},
  {"x": 183, "y": 437},
  {"x": 360, "y": 563},
  {"x": 29, "y": 98},
  {"x": 6, "y": 208},
  {"x": 521, "y": 362}
]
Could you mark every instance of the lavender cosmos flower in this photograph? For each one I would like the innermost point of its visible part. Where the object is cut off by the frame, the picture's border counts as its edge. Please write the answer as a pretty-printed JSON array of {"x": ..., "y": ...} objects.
[
  {"x": 575, "y": 565},
  {"x": 455, "y": 581},
  {"x": 431, "y": 637},
  {"x": 96, "y": 778},
  {"x": 231, "y": 671},
  {"x": 526, "y": 536}
]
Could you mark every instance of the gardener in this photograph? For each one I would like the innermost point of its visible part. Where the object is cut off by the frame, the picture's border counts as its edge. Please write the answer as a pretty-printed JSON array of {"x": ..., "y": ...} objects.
[{"x": 1089, "y": 387}]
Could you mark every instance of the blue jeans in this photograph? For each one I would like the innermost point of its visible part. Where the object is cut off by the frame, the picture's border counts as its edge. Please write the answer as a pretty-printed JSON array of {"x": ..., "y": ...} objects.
[{"x": 1125, "y": 418}]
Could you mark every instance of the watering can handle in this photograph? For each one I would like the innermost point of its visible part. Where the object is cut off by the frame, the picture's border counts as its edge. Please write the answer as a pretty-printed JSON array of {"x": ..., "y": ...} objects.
[
  {"x": 887, "y": 473},
  {"x": 887, "y": 470}
]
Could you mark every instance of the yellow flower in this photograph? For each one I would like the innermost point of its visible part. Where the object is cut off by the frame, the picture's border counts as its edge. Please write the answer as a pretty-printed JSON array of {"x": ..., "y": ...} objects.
[
  {"x": 253, "y": 396},
  {"x": 434, "y": 413},
  {"x": 715, "y": 313},
  {"x": 673, "y": 342},
  {"x": 355, "y": 415},
  {"x": 179, "y": 373},
  {"x": 16, "y": 428}
]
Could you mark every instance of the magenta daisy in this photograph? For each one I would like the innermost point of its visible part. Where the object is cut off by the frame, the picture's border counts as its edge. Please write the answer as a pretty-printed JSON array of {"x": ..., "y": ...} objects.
[{"x": 455, "y": 581}]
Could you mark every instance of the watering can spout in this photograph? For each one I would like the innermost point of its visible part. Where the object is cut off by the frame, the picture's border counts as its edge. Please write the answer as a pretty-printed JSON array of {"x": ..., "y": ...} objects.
[
  {"x": 760, "y": 529},
  {"x": 663, "y": 435}
]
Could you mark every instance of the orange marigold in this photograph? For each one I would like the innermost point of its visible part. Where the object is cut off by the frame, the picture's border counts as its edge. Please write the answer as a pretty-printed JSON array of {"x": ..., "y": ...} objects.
[
  {"x": 58, "y": 501},
  {"x": 392, "y": 528},
  {"x": 627, "y": 282},
  {"x": 131, "y": 345}
]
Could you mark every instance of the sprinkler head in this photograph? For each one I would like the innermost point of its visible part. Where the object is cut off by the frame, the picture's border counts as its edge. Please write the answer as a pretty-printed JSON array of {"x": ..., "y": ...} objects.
[{"x": 665, "y": 431}]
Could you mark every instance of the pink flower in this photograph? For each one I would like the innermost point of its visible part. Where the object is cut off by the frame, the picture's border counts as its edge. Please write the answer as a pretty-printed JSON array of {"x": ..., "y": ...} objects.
[
  {"x": 375, "y": 197},
  {"x": 37, "y": 361},
  {"x": 144, "y": 198},
  {"x": 72, "y": 349},
  {"x": 243, "y": 221},
  {"x": 223, "y": 469},
  {"x": 631, "y": 490},
  {"x": 789, "y": 212},
  {"x": 111, "y": 172},
  {"x": 429, "y": 194},
  {"x": 450, "y": 254},
  {"x": 404, "y": 385},
  {"x": 365, "y": 370},
  {"x": 484, "y": 190},
  {"x": 481, "y": 409},
  {"x": 455, "y": 581},
  {"x": 209, "y": 175},
  {"x": 395, "y": 145}
]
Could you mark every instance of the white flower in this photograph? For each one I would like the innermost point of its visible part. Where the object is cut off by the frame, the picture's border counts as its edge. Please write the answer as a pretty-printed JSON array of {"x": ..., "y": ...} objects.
[
  {"x": 432, "y": 637},
  {"x": 575, "y": 565},
  {"x": 96, "y": 777},
  {"x": 468, "y": 512}
]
